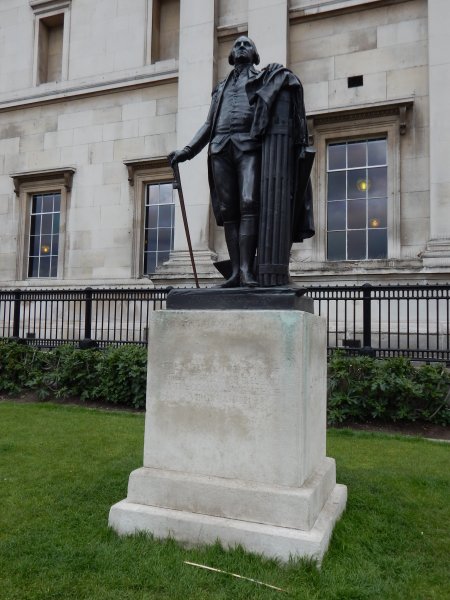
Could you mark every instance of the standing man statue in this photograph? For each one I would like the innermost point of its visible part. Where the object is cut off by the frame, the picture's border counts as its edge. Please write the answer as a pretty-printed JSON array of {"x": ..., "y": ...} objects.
[{"x": 257, "y": 135}]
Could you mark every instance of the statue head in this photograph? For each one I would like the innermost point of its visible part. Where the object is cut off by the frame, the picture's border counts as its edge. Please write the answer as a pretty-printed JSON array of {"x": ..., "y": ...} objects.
[{"x": 244, "y": 52}]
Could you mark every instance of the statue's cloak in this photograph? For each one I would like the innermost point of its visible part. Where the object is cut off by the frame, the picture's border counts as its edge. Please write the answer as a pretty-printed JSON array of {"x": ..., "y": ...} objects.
[{"x": 263, "y": 91}]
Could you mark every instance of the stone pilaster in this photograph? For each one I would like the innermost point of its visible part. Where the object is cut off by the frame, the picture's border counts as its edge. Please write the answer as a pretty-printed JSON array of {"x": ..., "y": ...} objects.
[
  {"x": 268, "y": 27},
  {"x": 437, "y": 253},
  {"x": 196, "y": 81}
]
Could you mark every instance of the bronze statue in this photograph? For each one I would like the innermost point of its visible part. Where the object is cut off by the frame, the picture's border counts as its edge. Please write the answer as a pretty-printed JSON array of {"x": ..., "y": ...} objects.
[{"x": 258, "y": 166}]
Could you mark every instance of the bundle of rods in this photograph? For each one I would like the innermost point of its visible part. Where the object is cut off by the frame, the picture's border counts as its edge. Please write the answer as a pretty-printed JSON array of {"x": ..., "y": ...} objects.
[{"x": 275, "y": 222}]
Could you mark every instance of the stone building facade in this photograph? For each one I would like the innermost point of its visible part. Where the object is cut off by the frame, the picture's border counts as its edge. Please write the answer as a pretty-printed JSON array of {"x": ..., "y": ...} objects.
[{"x": 93, "y": 96}]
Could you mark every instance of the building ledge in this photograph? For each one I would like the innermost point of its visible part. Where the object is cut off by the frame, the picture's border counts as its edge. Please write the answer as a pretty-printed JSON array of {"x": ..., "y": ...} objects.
[
  {"x": 160, "y": 73},
  {"x": 302, "y": 11}
]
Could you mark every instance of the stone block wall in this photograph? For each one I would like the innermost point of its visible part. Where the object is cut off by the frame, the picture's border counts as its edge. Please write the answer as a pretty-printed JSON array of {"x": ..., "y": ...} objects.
[{"x": 115, "y": 102}]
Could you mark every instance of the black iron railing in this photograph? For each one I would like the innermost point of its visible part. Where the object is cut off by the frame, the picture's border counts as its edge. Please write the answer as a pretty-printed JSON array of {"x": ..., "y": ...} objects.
[
  {"x": 49, "y": 318},
  {"x": 389, "y": 320},
  {"x": 383, "y": 321}
]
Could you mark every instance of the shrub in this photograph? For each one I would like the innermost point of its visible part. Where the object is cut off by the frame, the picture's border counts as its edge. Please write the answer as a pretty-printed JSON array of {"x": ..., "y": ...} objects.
[
  {"x": 359, "y": 389},
  {"x": 122, "y": 375},
  {"x": 116, "y": 375},
  {"x": 363, "y": 389}
]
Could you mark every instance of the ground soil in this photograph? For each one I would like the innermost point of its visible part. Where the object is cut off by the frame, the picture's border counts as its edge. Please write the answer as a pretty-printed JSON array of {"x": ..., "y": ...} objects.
[{"x": 417, "y": 429}]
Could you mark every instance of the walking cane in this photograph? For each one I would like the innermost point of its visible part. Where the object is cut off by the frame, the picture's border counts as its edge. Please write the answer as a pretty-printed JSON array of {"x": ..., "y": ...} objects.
[{"x": 177, "y": 186}]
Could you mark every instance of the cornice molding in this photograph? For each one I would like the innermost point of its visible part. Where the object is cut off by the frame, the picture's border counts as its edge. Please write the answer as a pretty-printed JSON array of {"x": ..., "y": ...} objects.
[
  {"x": 332, "y": 8},
  {"x": 64, "y": 175},
  {"x": 230, "y": 32},
  {"x": 365, "y": 112},
  {"x": 45, "y": 6},
  {"x": 142, "y": 164}
]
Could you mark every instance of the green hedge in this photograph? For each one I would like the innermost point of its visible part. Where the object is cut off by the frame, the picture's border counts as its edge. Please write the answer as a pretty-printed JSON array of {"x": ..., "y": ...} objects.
[
  {"x": 365, "y": 389},
  {"x": 359, "y": 389},
  {"x": 115, "y": 375}
]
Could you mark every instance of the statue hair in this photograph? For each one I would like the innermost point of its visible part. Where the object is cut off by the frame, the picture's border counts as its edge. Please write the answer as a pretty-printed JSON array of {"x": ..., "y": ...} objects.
[{"x": 256, "y": 59}]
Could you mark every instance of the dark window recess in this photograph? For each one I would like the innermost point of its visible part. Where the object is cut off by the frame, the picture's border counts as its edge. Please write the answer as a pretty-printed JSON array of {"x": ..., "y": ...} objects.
[{"x": 355, "y": 81}]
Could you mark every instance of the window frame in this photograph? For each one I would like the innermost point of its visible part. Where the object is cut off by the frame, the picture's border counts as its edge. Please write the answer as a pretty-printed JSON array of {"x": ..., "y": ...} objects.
[
  {"x": 142, "y": 172},
  {"x": 159, "y": 227},
  {"x": 27, "y": 185},
  {"x": 27, "y": 247},
  {"x": 387, "y": 127},
  {"x": 348, "y": 200},
  {"x": 44, "y": 10}
]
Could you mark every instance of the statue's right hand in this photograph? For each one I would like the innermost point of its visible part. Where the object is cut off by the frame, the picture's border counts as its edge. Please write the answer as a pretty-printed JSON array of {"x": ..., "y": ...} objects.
[{"x": 178, "y": 156}]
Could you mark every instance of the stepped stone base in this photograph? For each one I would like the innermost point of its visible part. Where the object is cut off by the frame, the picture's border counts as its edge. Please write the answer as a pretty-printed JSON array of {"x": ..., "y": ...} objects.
[{"x": 235, "y": 434}]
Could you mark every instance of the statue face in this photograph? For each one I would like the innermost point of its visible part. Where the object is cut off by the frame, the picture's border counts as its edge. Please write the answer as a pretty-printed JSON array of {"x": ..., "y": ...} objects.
[{"x": 243, "y": 51}]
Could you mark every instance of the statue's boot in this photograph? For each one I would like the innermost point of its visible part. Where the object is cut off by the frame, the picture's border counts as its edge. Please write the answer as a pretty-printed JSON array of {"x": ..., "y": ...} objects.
[
  {"x": 248, "y": 239},
  {"x": 231, "y": 229}
]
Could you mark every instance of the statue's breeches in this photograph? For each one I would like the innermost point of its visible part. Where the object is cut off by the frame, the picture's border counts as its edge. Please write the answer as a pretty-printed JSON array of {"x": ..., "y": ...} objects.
[{"x": 237, "y": 177}]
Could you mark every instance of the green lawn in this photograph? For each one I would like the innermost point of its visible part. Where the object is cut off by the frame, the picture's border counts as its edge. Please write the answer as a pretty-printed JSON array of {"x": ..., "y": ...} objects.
[{"x": 61, "y": 468}]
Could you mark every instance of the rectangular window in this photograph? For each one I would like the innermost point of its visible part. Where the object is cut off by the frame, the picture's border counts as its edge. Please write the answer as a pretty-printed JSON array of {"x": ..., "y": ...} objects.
[
  {"x": 165, "y": 29},
  {"x": 159, "y": 225},
  {"x": 357, "y": 209},
  {"x": 50, "y": 48},
  {"x": 44, "y": 235}
]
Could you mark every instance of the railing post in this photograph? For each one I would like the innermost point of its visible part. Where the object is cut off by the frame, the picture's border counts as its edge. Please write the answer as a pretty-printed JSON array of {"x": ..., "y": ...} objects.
[
  {"x": 16, "y": 317},
  {"x": 367, "y": 321},
  {"x": 88, "y": 314},
  {"x": 88, "y": 342}
]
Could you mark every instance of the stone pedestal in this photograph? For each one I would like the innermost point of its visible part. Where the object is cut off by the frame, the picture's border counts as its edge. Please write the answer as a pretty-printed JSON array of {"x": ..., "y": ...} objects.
[{"x": 235, "y": 434}]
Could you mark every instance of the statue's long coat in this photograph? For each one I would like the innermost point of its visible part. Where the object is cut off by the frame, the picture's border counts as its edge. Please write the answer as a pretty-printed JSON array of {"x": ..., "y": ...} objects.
[{"x": 262, "y": 89}]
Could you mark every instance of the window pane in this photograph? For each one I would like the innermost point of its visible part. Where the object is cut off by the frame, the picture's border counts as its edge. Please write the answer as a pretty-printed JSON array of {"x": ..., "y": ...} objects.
[
  {"x": 47, "y": 223},
  {"x": 378, "y": 182},
  {"x": 36, "y": 204},
  {"x": 34, "y": 245},
  {"x": 162, "y": 257},
  {"x": 336, "y": 186},
  {"x": 46, "y": 245},
  {"x": 165, "y": 216},
  {"x": 35, "y": 225},
  {"x": 151, "y": 262},
  {"x": 164, "y": 239},
  {"x": 57, "y": 202},
  {"x": 54, "y": 266},
  {"x": 356, "y": 245},
  {"x": 377, "y": 213},
  {"x": 336, "y": 245},
  {"x": 356, "y": 154},
  {"x": 44, "y": 266},
  {"x": 56, "y": 223},
  {"x": 151, "y": 240},
  {"x": 153, "y": 194},
  {"x": 47, "y": 203},
  {"x": 151, "y": 217},
  {"x": 377, "y": 243},
  {"x": 336, "y": 215},
  {"x": 33, "y": 266},
  {"x": 356, "y": 214},
  {"x": 55, "y": 245},
  {"x": 376, "y": 152},
  {"x": 337, "y": 156},
  {"x": 166, "y": 193},
  {"x": 357, "y": 183}
]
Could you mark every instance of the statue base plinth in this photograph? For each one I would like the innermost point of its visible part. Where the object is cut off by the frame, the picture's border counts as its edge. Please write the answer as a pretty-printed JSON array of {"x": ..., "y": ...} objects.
[
  {"x": 235, "y": 434},
  {"x": 240, "y": 298}
]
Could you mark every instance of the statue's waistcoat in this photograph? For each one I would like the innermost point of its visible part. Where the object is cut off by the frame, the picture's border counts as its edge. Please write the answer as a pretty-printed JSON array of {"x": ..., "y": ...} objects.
[
  {"x": 234, "y": 117},
  {"x": 235, "y": 114}
]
